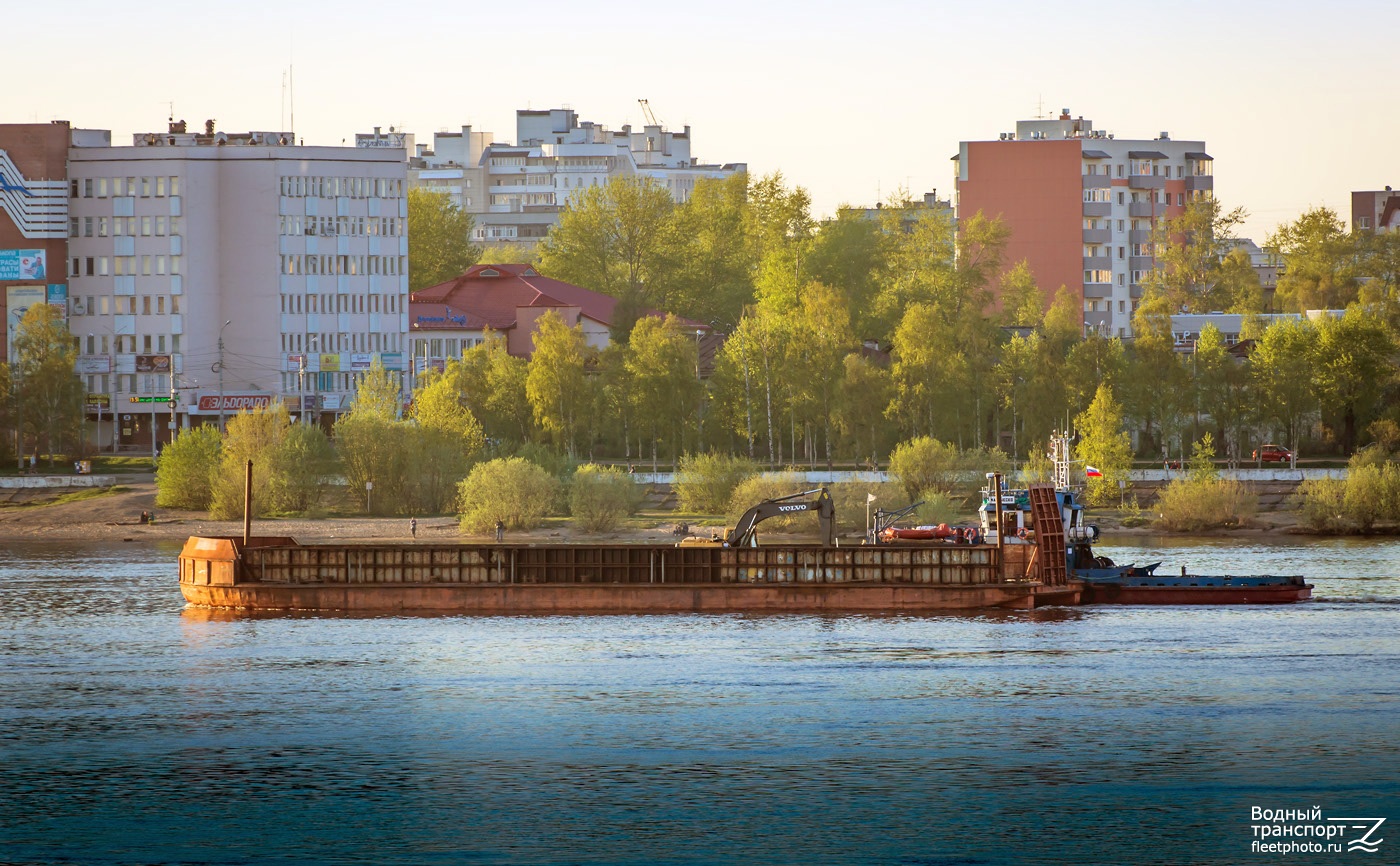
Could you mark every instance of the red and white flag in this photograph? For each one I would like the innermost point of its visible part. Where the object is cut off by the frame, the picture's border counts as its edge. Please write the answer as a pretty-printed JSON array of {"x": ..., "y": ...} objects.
[{"x": 1091, "y": 472}]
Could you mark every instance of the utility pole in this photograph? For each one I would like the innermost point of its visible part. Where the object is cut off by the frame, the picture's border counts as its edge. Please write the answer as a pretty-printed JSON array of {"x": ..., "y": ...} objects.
[{"x": 221, "y": 373}]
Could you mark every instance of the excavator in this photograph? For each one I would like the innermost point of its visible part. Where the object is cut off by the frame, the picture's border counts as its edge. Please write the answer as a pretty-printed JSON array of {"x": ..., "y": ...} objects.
[{"x": 743, "y": 534}]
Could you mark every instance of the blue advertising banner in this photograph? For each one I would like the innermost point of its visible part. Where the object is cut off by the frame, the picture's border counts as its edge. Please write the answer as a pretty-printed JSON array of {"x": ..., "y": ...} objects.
[{"x": 23, "y": 265}]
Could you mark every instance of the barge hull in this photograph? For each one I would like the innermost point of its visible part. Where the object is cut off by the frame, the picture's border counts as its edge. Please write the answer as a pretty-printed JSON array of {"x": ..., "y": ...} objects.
[
  {"x": 1175, "y": 595},
  {"x": 547, "y": 599}
]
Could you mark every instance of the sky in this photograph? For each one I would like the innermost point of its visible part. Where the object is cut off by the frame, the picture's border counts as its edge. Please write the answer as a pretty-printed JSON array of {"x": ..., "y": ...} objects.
[{"x": 1299, "y": 103}]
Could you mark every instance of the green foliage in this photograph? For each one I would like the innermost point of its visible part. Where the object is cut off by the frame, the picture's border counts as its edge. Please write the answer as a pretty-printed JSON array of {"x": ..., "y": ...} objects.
[
  {"x": 660, "y": 364},
  {"x": 1322, "y": 258},
  {"x": 558, "y": 390},
  {"x": 600, "y": 497},
  {"x": 614, "y": 239},
  {"x": 705, "y": 483},
  {"x": 302, "y": 467},
  {"x": 509, "y": 489},
  {"x": 439, "y": 239},
  {"x": 923, "y": 466},
  {"x": 47, "y": 396},
  {"x": 1201, "y": 467},
  {"x": 257, "y": 436},
  {"x": 1369, "y": 496},
  {"x": 1321, "y": 503},
  {"x": 550, "y": 459},
  {"x": 444, "y": 440},
  {"x": 1189, "y": 505},
  {"x": 185, "y": 469},
  {"x": 1104, "y": 445}
]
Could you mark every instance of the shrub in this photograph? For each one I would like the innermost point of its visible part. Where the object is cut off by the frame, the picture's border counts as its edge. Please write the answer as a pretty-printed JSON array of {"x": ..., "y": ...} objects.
[
  {"x": 552, "y": 460},
  {"x": 1187, "y": 506},
  {"x": 849, "y": 500},
  {"x": 1369, "y": 495},
  {"x": 1320, "y": 503},
  {"x": 185, "y": 469},
  {"x": 301, "y": 466},
  {"x": 924, "y": 466},
  {"x": 255, "y": 436},
  {"x": 705, "y": 483},
  {"x": 510, "y": 489},
  {"x": 601, "y": 496}
]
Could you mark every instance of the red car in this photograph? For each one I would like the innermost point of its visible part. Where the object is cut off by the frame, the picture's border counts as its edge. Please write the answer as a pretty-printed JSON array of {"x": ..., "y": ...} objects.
[{"x": 1273, "y": 454}]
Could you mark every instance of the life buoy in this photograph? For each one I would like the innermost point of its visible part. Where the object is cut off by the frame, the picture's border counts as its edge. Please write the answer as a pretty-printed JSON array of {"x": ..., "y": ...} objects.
[{"x": 1021, "y": 533}]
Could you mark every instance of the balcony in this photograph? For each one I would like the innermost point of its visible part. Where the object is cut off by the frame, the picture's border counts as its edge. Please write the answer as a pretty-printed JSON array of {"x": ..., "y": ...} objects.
[
  {"x": 1097, "y": 181},
  {"x": 1098, "y": 263},
  {"x": 1098, "y": 290},
  {"x": 1143, "y": 209},
  {"x": 1140, "y": 236},
  {"x": 1141, "y": 263},
  {"x": 1203, "y": 181},
  {"x": 1097, "y": 208},
  {"x": 1147, "y": 181},
  {"x": 1097, "y": 236}
]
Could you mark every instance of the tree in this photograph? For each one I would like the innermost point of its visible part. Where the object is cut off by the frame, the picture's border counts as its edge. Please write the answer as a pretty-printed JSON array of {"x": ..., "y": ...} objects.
[
  {"x": 1104, "y": 445},
  {"x": 302, "y": 467},
  {"x": 439, "y": 239},
  {"x": 662, "y": 372},
  {"x": 370, "y": 443},
  {"x": 711, "y": 257},
  {"x": 847, "y": 254},
  {"x": 1321, "y": 257},
  {"x": 1189, "y": 250},
  {"x": 1352, "y": 363},
  {"x": 1156, "y": 391},
  {"x": 860, "y": 410},
  {"x": 48, "y": 393},
  {"x": 614, "y": 239},
  {"x": 1280, "y": 371},
  {"x": 1022, "y": 301},
  {"x": 185, "y": 469},
  {"x": 445, "y": 439},
  {"x": 556, "y": 384},
  {"x": 255, "y": 436}
]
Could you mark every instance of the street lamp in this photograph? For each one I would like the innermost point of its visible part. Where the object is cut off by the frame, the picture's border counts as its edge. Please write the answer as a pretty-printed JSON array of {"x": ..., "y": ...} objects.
[
  {"x": 700, "y": 399},
  {"x": 220, "y": 369}
]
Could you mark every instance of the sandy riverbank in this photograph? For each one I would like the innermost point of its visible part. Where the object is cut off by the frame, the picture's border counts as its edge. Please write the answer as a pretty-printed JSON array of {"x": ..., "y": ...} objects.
[{"x": 116, "y": 516}]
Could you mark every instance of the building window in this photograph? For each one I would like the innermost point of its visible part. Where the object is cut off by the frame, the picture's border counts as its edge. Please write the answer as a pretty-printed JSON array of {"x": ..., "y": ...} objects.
[
  {"x": 1098, "y": 276},
  {"x": 1096, "y": 195}
]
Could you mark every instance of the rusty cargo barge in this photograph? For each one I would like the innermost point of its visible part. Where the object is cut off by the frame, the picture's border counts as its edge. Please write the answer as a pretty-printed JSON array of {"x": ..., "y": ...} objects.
[{"x": 273, "y": 573}]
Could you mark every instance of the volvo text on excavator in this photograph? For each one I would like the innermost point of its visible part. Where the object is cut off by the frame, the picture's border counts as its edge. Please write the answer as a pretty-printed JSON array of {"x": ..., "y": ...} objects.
[{"x": 818, "y": 500}]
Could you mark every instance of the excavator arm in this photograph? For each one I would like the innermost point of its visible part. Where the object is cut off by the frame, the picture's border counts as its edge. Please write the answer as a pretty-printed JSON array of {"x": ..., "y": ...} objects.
[{"x": 742, "y": 535}]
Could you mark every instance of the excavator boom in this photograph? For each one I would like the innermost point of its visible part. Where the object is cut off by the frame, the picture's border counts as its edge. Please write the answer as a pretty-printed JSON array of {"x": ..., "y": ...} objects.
[{"x": 818, "y": 500}]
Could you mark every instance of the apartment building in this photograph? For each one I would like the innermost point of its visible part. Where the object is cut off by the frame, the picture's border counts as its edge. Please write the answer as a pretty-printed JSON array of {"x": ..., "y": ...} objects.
[
  {"x": 213, "y": 272},
  {"x": 1375, "y": 210},
  {"x": 1081, "y": 205},
  {"x": 517, "y": 191}
]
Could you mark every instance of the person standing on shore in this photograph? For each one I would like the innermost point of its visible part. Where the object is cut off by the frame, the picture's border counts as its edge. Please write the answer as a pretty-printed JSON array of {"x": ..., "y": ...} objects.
[
  {"x": 413, "y": 526},
  {"x": 500, "y": 530}
]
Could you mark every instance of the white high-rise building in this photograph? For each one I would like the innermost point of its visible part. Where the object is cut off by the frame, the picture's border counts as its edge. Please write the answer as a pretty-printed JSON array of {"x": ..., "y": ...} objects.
[
  {"x": 517, "y": 191},
  {"x": 232, "y": 271}
]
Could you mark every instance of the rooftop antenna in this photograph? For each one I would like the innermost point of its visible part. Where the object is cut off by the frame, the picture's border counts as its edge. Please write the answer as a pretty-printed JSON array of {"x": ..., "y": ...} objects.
[{"x": 1040, "y": 107}]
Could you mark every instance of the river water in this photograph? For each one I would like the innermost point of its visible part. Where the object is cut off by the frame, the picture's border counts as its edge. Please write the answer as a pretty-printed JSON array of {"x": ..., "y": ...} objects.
[{"x": 134, "y": 730}]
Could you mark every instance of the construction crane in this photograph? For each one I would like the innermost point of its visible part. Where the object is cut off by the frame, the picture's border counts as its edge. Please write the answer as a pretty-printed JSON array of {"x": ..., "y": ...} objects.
[{"x": 647, "y": 113}]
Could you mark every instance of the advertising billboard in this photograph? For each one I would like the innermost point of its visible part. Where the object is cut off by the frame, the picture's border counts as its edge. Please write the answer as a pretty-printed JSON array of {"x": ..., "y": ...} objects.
[
  {"x": 153, "y": 363},
  {"x": 18, "y": 300},
  {"x": 24, "y": 265}
]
